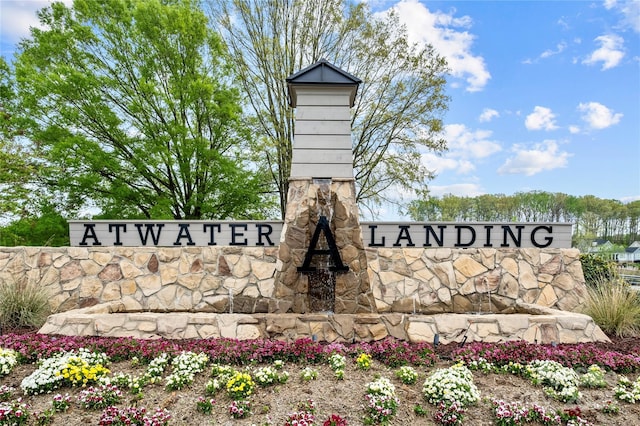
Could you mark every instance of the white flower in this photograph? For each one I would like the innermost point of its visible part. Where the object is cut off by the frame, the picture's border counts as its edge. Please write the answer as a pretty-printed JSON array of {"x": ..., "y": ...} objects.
[
  {"x": 47, "y": 378},
  {"x": 451, "y": 384},
  {"x": 559, "y": 382},
  {"x": 8, "y": 359},
  {"x": 628, "y": 391},
  {"x": 185, "y": 366},
  {"x": 337, "y": 361}
]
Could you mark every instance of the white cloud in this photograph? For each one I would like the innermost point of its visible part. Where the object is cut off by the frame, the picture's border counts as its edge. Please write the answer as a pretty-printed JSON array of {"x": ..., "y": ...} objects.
[
  {"x": 573, "y": 129},
  {"x": 610, "y": 53},
  {"x": 541, "y": 119},
  {"x": 458, "y": 189},
  {"x": 469, "y": 144},
  {"x": 438, "y": 164},
  {"x": 630, "y": 198},
  {"x": 598, "y": 116},
  {"x": 563, "y": 23},
  {"x": 630, "y": 11},
  {"x": 466, "y": 148},
  {"x": 488, "y": 114},
  {"x": 542, "y": 157},
  {"x": 560, "y": 47},
  {"x": 18, "y": 16},
  {"x": 443, "y": 31}
]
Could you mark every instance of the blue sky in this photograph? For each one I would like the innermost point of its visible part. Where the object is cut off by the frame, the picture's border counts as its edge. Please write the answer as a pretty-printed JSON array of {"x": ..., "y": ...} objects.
[{"x": 545, "y": 95}]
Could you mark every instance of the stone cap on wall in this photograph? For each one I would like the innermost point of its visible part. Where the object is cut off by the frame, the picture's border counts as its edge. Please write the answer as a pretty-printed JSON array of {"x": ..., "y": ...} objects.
[{"x": 544, "y": 326}]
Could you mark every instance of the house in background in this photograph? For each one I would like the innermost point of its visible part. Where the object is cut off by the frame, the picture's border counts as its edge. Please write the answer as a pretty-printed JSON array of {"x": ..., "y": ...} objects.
[
  {"x": 631, "y": 254},
  {"x": 600, "y": 245}
]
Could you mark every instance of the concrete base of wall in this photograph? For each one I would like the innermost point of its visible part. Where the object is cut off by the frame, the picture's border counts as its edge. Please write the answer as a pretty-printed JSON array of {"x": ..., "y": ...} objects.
[{"x": 532, "y": 323}]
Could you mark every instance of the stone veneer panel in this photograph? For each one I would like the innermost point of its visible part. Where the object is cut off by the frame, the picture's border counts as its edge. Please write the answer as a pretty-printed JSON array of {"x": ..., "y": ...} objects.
[
  {"x": 543, "y": 326},
  {"x": 475, "y": 280},
  {"x": 221, "y": 279},
  {"x": 111, "y": 291},
  {"x": 307, "y": 200}
]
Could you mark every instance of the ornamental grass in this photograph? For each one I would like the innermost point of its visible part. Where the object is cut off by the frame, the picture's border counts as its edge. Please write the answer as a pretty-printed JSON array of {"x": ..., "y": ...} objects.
[
  {"x": 615, "y": 307},
  {"x": 22, "y": 305}
]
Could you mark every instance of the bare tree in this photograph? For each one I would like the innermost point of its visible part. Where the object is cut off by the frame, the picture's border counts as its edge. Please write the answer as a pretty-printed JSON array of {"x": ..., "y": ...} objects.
[{"x": 397, "y": 115}]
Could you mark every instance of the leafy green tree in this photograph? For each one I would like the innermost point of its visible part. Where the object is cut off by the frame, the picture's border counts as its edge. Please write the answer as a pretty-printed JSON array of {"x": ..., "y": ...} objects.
[
  {"x": 134, "y": 104},
  {"x": 424, "y": 209},
  {"x": 398, "y": 109},
  {"x": 486, "y": 207},
  {"x": 633, "y": 209},
  {"x": 17, "y": 170},
  {"x": 593, "y": 217},
  {"x": 47, "y": 227},
  {"x": 460, "y": 208},
  {"x": 29, "y": 210}
]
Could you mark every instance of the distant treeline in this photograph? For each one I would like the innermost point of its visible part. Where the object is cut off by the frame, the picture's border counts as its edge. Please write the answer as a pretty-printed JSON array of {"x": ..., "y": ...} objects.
[{"x": 592, "y": 217}]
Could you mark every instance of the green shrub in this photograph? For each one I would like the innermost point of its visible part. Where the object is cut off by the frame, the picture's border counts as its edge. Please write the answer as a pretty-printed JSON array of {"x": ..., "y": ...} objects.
[
  {"x": 615, "y": 307},
  {"x": 47, "y": 228},
  {"x": 597, "y": 269},
  {"x": 22, "y": 305}
]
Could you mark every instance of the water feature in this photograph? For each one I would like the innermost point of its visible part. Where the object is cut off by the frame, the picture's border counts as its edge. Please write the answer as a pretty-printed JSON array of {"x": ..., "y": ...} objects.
[
  {"x": 322, "y": 281},
  {"x": 323, "y": 197},
  {"x": 322, "y": 285},
  {"x": 483, "y": 298}
]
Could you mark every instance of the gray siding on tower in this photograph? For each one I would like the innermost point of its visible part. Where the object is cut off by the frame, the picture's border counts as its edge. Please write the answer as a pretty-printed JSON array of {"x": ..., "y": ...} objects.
[
  {"x": 322, "y": 139},
  {"x": 321, "y": 95},
  {"x": 317, "y": 112},
  {"x": 323, "y": 127},
  {"x": 323, "y": 156}
]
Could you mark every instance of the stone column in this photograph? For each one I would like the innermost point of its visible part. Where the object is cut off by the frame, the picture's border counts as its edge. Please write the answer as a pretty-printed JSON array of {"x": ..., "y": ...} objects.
[
  {"x": 352, "y": 290},
  {"x": 323, "y": 95}
]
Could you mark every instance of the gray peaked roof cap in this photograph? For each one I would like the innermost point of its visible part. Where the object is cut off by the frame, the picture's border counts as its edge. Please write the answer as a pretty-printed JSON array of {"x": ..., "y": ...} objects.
[{"x": 322, "y": 72}]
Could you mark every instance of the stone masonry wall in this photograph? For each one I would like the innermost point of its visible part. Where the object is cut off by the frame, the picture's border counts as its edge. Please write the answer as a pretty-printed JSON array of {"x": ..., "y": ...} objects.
[
  {"x": 475, "y": 280},
  {"x": 543, "y": 326},
  {"x": 306, "y": 202},
  {"x": 242, "y": 280}
]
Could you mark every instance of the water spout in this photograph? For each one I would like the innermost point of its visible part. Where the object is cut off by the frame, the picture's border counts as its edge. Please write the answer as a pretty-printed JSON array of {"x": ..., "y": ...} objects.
[
  {"x": 230, "y": 300},
  {"x": 483, "y": 292},
  {"x": 323, "y": 197},
  {"x": 322, "y": 281},
  {"x": 322, "y": 284}
]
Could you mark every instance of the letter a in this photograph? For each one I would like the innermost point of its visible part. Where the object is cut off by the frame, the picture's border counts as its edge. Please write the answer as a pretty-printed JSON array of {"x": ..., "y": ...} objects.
[
  {"x": 90, "y": 232},
  {"x": 323, "y": 225}
]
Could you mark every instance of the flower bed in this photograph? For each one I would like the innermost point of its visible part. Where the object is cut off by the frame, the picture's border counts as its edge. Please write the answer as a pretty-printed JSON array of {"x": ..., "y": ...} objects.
[{"x": 388, "y": 382}]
